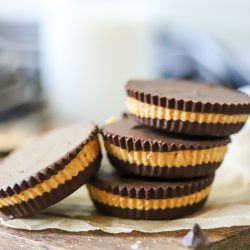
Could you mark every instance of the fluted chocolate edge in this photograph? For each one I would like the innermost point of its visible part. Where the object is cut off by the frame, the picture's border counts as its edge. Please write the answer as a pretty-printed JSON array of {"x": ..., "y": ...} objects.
[
  {"x": 189, "y": 106},
  {"x": 47, "y": 199},
  {"x": 132, "y": 144},
  {"x": 46, "y": 172}
]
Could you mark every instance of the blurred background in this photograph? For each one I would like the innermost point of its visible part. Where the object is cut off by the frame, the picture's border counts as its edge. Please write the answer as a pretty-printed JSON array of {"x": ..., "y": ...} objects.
[{"x": 68, "y": 60}]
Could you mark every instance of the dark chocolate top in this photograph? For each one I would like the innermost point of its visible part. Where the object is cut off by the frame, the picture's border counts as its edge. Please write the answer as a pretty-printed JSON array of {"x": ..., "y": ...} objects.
[
  {"x": 43, "y": 157},
  {"x": 127, "y": 134},
  {"x": 190, "y": 96},
  {"x": 146, "y": 188}
]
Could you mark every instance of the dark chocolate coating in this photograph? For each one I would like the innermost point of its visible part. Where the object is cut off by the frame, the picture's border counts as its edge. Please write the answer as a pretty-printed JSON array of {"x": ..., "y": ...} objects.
[
  {"x": 4, "y": 154},
  {"x": 46, "y": 200},
  {"x": 132, "y": 136},
  {"x": 190, "y": 96},
  {"x": 164, "y": 172},
  {"x": 158, "y": 214},
  {"x": 146, "y": 188},
  {"x": 38, "y": 161},
  {"x": 196, "y": 239}
]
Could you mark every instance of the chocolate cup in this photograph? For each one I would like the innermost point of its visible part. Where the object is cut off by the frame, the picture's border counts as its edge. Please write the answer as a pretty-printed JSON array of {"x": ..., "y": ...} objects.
[
  {"x": 189, "y": 96},
  {"x": 39, "y": 176},
  {"x": 128, "y": 135},
  {"x": 48, "y": 199},
  {"x": 127, "y": 186}
]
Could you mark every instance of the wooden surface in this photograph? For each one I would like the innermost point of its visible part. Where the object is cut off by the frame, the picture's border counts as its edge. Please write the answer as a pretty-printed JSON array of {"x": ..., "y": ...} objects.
[{"x": 223, "y": 238}]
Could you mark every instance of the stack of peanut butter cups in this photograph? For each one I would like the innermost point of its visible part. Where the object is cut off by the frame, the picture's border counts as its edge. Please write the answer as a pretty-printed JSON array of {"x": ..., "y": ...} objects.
[{"x": 167, "y": 148}]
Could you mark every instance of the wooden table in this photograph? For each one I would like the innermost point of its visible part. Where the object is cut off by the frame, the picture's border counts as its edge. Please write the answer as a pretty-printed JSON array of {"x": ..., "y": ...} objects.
[{"x": 223, "y": 238}]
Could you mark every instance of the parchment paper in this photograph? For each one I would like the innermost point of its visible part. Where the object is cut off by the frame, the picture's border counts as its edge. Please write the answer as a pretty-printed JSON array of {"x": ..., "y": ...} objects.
[{"x": 228, "y": 205}]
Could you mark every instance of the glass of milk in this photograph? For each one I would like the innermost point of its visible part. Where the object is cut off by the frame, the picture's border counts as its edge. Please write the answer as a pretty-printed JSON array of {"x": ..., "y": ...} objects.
[{"x": 90, "y": 49}]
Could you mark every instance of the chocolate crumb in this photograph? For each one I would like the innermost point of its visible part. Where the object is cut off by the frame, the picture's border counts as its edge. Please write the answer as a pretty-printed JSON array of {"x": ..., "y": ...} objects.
[{"x": 196, "y": 238}]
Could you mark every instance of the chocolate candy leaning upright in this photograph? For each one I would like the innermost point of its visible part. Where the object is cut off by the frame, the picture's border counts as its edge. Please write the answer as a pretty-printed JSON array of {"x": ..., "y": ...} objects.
[
  {"x": 48, "y": 169},
  {"x": 126, "y": 197},
  {"x": 137, "y": 149},
  {"x": 189, "y": 108}
]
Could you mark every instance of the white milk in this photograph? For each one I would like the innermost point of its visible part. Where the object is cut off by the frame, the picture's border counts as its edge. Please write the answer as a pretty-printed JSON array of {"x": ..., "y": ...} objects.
[{"x": 90, "y": 51}]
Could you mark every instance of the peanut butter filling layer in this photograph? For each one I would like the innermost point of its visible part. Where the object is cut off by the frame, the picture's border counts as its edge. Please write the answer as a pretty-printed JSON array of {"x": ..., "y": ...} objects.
[
  {"x": 143, "y": 204},
  {"x": 146, "y": 110},
  {"x": 83, "y": 159},
  {"x": 182, "y": 158}
]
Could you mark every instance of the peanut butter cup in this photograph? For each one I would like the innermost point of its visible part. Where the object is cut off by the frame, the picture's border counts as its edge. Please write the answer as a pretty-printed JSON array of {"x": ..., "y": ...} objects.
[
  {"x": 48, "y": 169},
  {"x": 185, "y": 107},
  {"x": 126, "y": 197},
  {"x": 140, "y": 150}
]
